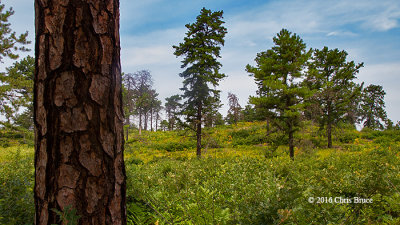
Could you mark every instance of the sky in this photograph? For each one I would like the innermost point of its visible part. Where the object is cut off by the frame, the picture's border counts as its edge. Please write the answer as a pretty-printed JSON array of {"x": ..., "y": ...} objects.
[{"x": 368, "y": 30}]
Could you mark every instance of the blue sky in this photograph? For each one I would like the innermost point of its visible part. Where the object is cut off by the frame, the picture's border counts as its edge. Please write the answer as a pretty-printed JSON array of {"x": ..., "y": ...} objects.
[{"x": 368, "y": 30}]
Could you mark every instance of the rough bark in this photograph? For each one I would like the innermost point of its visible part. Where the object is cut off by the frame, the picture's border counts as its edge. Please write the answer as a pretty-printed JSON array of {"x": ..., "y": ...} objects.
[{"x": 78, "y": 112}]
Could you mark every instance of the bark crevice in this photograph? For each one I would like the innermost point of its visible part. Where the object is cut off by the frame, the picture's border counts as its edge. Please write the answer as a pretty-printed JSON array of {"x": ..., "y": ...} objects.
[{"x": 78, "y": 111}]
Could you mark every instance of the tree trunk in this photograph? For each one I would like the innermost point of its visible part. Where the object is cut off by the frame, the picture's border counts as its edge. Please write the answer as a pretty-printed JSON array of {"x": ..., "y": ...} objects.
[
  {"x": 291, "y": 143},
  {"x": 78, "y": 112},
  {"x": 140, "y": 123},
  {"x": 151, "y": 119},
  {"x": 170, "y": 124},
  {"x": 146, "y": 116},
  {"x": 329, "y": 126},
  {"x": 329, "y": 134},
  {"x": 127, "y": 128},
  {"x": 157, "y": 121},
  {"x": 198, "y": 132}
]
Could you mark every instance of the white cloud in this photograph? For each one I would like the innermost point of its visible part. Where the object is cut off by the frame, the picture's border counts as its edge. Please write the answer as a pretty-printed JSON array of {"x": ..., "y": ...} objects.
[
  {"x": 384, "y": 17},
  {"x": 147, "y": 56},
  {"x": 341, "y": 33}
]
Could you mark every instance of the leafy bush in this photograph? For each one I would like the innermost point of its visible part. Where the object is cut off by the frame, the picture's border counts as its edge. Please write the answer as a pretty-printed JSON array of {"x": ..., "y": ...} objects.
[
  {"x": 271, "y": 191},
  {"x": 347, "y": 136},
  {"x": 16, "y": 190},
  {"x": 250, "y": 136}
]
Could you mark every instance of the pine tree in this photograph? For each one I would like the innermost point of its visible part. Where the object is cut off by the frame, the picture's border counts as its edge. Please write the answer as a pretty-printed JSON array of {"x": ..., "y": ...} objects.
[
  {"x": 78, "y": 112},
  {"x": 172, "y": 108},
  {"x": 372, "y": 107},
  {"x": 17, "y": 93},
  {"x": 278, "y": 74},
  {"x": 17, "y": 77},
  {"x": 331, "y": 78},
  {"x": 201, "y": 49},
  {"x": 9, "y": 42}
]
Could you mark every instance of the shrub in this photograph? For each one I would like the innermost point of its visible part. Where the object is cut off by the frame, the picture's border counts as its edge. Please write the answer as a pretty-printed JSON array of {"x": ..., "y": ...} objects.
[{"x": 16, "y": 190}]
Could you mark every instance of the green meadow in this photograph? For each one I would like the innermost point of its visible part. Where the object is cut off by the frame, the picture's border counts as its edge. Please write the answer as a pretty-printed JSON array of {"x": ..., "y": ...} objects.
[{"x": 245, "y": 176}]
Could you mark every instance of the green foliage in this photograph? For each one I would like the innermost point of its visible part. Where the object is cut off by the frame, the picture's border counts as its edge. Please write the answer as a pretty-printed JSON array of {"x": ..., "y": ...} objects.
[
  {"x": 372, "y": 107},
  {"x": 172, "y": 107},
  {"x": 11, "y": 137},
  {"x": 68, "y": 216},
  {"x": 347, "y": 136},
  {"x": 271, "y": 191},
  {"x": 331, "y": 78},
  {"x": 139, "y": 213},
  {"x": 201, "y": 49},
  {"x": 8, "y": 39},
  {"x": 15, "y": 80},
  {"x": 239, "y": 184},
  {"x": 16, "y": 92},
  {"x": 250, "y": 136},
  {"x": 16, "y": 187},
  {"x": 167, "y": 141},
  {"x": 277, "y": 75}
]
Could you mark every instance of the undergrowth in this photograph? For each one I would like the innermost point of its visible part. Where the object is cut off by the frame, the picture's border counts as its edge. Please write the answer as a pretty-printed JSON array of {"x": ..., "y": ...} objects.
[{"x": 244, "y": 177}]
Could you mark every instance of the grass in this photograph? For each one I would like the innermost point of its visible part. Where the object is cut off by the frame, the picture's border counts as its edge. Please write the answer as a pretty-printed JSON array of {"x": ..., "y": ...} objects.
[{"x": 244, "y": 177}]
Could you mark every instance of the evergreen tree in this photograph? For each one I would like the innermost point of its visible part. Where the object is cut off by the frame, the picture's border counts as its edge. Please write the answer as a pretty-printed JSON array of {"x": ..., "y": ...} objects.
[
  {"x": 331, "y": 78},
  {"x": 201, "y": 49},
  {"x": 17, "y": 93},
  {"x": 278, "y": 74},
  {"x": 12, "y": 82},
  {"x": 164, "y": 125},
  {"x": 172, "y": 108},
  {"x": 211, "y": 115},
  {"x": 372, "y": 107},
  {"x": 9, "y": 42},
  {"x": 249, "y": 113}
]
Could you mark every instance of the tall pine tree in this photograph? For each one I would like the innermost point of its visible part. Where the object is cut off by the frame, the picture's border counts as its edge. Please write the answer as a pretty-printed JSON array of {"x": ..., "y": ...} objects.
[
  {"x": 278, "y": 74},
  {"x": 201, "y": 49},
  {"x": 332, "y": 79}
]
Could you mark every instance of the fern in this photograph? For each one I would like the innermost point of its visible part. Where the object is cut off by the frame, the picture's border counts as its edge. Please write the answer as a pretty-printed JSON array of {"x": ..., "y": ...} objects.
[{"x": 68, "y": 216}]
